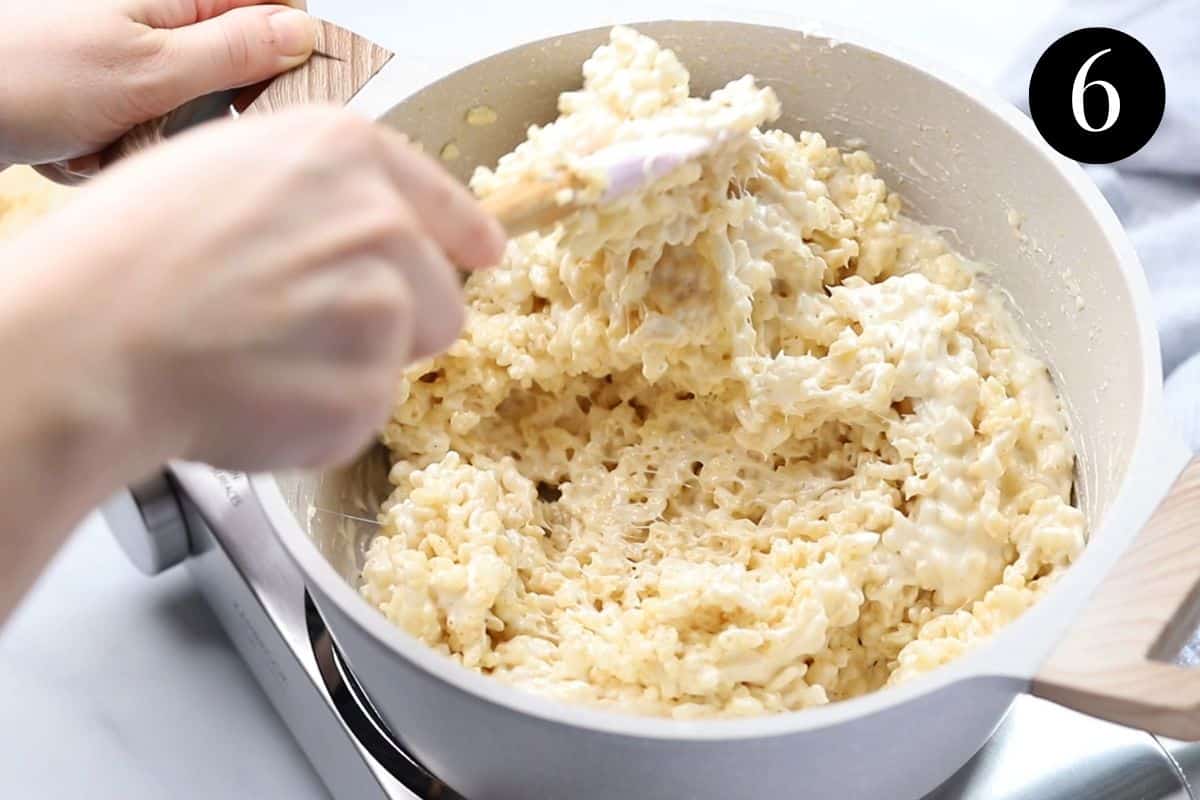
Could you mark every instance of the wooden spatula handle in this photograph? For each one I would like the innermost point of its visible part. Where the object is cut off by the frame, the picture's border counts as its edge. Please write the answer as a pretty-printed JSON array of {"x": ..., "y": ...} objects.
[
  {"x": 531, "y": 205},
  {"x": 341, "y": 64}
]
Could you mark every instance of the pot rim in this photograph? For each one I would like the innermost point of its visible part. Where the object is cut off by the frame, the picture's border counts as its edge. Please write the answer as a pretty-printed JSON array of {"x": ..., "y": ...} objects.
[{"x": 1012, "y": 655}]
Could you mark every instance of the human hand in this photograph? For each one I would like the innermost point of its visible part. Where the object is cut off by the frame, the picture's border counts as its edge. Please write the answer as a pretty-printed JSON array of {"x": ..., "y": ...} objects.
[
  {"x": 78, "y": 75},
  {"x": 247, "y": 293}
]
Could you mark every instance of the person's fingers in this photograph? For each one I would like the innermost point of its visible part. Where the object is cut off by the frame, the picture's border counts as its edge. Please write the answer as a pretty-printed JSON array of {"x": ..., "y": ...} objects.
[
  {"x": 242, "y": 47},
  {"x": 445, "y": 208},
  {"x": 178, "y": 13},
  {"x": 437, "y": 299}
]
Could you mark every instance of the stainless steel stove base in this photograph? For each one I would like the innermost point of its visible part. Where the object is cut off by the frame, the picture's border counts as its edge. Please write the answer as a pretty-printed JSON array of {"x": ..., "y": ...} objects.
[
  {"x": 260, "y": 600},
  {"x": 1040, "y": 752}
]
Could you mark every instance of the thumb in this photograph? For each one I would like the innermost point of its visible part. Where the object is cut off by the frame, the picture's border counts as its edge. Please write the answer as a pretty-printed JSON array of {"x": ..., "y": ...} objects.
[{"x": 240, "y": 47}]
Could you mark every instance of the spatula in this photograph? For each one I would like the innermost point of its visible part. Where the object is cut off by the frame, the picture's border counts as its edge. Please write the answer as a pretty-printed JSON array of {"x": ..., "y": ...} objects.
[{"x": 343, "y": 62}]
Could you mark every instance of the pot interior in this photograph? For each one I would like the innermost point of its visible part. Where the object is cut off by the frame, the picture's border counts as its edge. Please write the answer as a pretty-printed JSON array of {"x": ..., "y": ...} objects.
[{"x": 954, "y": 162}]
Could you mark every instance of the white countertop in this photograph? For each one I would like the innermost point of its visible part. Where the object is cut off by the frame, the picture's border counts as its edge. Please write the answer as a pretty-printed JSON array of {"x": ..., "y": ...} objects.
[{"x": 120, "y": 686}]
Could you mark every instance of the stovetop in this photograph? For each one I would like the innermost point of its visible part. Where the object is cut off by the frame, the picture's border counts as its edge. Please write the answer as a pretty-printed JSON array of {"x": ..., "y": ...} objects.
[{"x": 1040, "y": 752}]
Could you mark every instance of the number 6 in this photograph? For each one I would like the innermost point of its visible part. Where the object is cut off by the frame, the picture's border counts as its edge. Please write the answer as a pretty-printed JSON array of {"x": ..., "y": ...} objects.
[{"x": 1081, "y": 85}]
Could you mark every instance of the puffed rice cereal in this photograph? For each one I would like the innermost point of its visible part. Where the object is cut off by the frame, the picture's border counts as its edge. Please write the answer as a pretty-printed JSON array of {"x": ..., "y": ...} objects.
[{"x": 743, "y": 442}]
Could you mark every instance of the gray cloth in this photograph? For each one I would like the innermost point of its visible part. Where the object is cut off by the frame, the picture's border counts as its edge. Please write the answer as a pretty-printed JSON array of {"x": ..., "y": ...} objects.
[{"x": 1156, "y": 191}]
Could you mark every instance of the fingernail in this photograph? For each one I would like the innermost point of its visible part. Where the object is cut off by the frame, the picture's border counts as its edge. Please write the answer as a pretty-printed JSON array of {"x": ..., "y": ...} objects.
[{"x": 294, "y": 32}]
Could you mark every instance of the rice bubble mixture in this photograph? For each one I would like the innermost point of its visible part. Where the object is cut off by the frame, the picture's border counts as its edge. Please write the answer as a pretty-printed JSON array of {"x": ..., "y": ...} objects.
[{"x": 746, "y": 441}]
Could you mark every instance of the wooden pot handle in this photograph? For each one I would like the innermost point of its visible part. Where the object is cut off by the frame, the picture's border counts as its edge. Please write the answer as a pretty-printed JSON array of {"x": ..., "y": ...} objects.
[
  {"x": 341, "y": 64},
  {"x": 1113, "y": 663}
]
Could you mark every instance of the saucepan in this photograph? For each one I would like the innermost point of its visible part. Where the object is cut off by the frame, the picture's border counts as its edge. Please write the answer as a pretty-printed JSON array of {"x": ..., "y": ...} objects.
[{"x": 1100, "y": 641}]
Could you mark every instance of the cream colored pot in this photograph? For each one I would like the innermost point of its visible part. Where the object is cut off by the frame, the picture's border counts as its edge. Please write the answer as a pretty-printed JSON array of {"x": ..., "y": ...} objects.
[{"x": 958, "y": 155}]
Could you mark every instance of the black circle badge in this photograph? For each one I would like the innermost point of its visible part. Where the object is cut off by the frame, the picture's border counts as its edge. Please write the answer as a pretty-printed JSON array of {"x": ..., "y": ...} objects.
[{"x": 1097, "y": 95}]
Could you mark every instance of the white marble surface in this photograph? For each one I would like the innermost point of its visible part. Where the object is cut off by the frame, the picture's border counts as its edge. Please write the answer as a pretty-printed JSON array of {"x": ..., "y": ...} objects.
[{"x": 119, "y": 686}]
